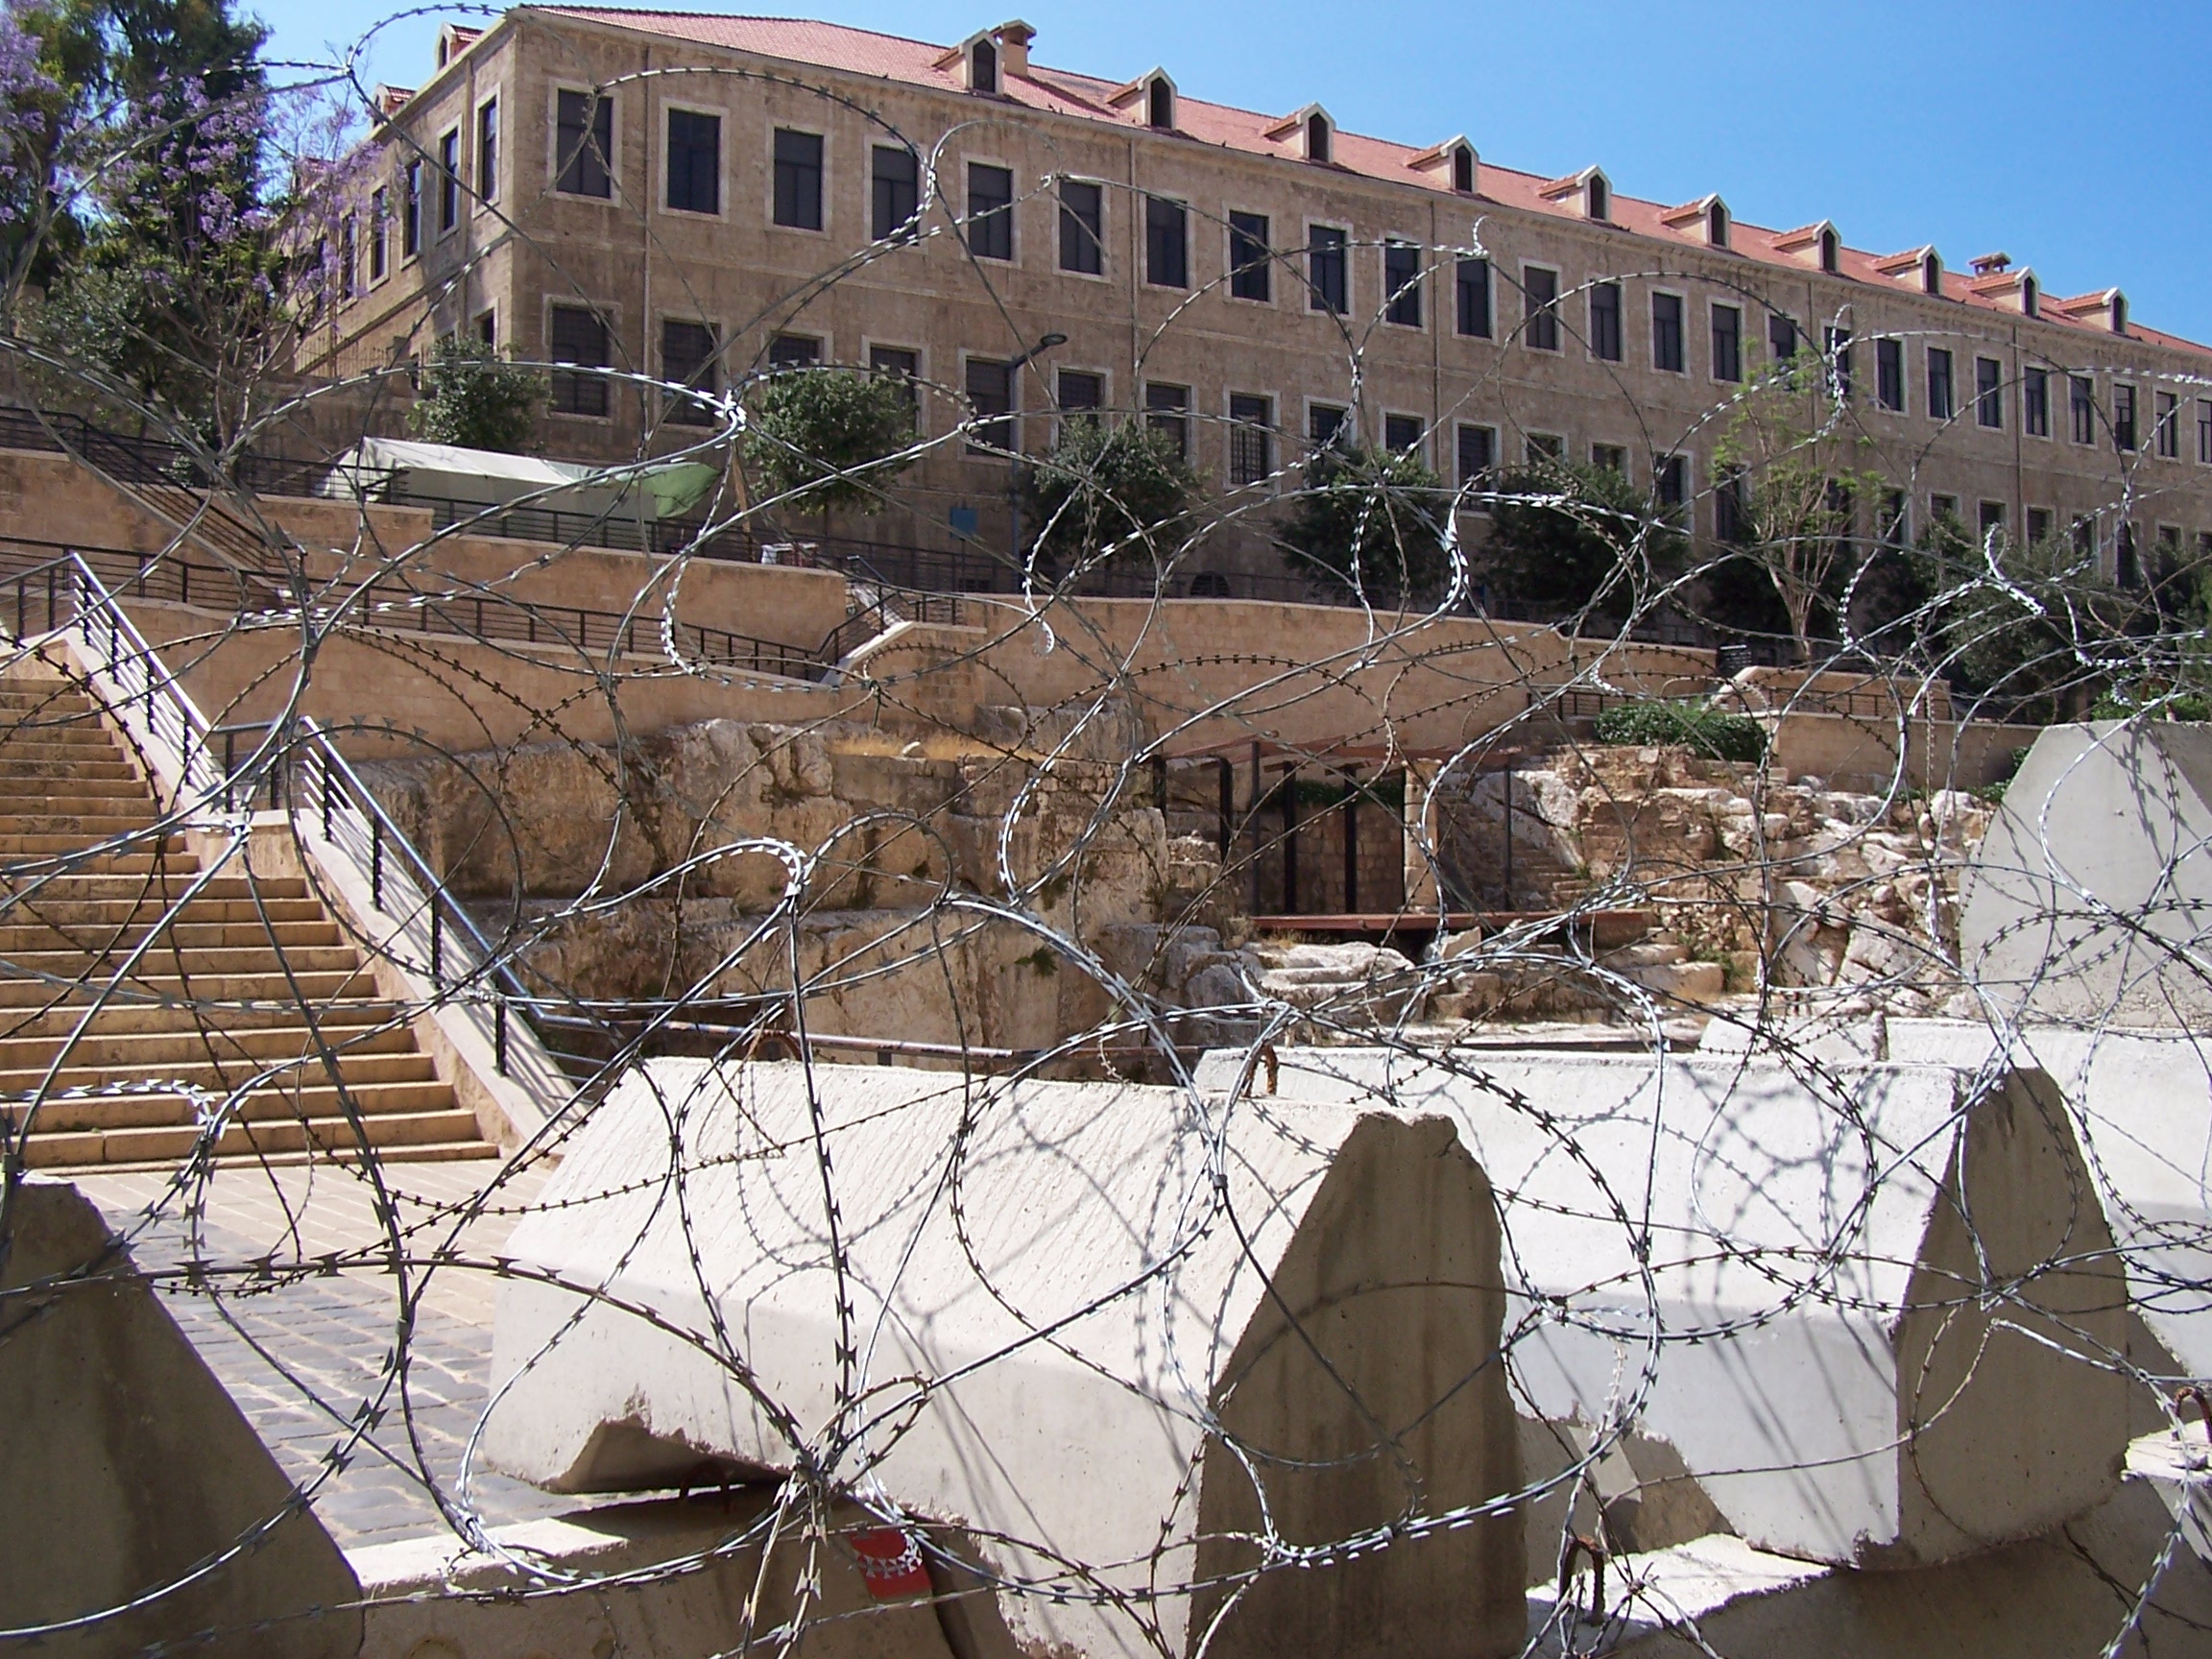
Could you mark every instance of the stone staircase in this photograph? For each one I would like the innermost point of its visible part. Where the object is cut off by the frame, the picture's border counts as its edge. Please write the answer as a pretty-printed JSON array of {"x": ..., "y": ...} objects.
[{"x": 134, "y": 992}]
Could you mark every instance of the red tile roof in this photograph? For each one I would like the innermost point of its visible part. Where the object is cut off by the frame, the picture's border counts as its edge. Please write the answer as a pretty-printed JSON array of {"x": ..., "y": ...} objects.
[{"x": 834, "y": 46}]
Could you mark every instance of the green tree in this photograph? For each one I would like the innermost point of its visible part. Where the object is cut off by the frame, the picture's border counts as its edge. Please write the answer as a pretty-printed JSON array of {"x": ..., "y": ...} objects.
[
  {"x": 829, "y": 439},
  {"x": 475, "y": 398},
  {"x": 1371, "y": 520},
  {"x": 1576, "y": 539},
  {"x": 1108, "y": 490}
]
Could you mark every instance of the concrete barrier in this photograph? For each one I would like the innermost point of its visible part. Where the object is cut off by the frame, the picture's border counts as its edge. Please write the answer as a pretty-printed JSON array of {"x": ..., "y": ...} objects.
[
  {"x": 1871, "y": 1315},
  {"x": 1078, "y": 1332}
]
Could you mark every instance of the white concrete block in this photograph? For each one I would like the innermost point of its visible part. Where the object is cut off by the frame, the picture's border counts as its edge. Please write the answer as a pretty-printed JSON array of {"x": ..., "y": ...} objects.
[
  {"x": 1054, "y": 1321},
  {"x": 1776, "y": 1276}
]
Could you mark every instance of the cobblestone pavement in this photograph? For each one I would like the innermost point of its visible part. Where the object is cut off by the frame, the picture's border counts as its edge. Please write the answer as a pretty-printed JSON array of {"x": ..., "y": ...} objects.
[{"x": 306, "y": 1356}]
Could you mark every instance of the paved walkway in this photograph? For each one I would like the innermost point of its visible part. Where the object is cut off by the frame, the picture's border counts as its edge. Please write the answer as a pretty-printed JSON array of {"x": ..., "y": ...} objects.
[{"x": 297, "y": 1316}]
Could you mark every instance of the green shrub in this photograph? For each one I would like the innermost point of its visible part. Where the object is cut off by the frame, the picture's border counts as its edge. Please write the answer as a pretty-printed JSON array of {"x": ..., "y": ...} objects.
[
  {"x": 1696, "y": 727},
  {"x": 2189, "y": 705}
]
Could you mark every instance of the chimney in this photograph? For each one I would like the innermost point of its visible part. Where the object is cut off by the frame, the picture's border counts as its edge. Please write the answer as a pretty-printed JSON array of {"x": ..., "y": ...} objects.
[
  {"x": 391, "y": 100},
  {"x": 1014, "y": 39}
]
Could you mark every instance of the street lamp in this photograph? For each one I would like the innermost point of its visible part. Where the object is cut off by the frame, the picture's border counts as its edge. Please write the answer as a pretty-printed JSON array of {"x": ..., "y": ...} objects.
[{"x": 1014, "y": 447}]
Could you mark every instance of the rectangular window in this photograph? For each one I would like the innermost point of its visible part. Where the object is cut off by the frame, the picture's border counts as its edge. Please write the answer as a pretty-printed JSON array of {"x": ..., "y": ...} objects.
[
  {"x": 1543, "y": 446},
  {"x": 1605, "y": 322},
  {"x": 2082, "y": 407},
  {"x": 584, "y": 144},
  {"x": 487, "y": 328},
  {"x": 2036, "y": 402},
  {"x": 1167, "y": 409},
  {"x": 449, "y": 181},
  {"x": 1324, "y": 422},
  {"x": 488, "y": 153},
  {"x": 379, "y": 215},
  {"x": 1166, "y": 242},
  {"x": 2166, "y": 424},
  {"x": 1082, "y": 227},
  {"x": 1540, "y": 307},
  {"x": 1667, "y": 351},
  {"x": 2083, "y": 536},
  {"x": 411, "y": 210},
  {"x": 902, "y": 366},
  {"x": 1251, "y": 439},
  {"x": 794, "y": 351},
  {"x": 990, "y": 211},
  {"x": 798, "y": 179},
  {"x": 1250, "y": 269},
  {"x": 2127, "y": 569},
  {"x": 1727, "y": 343},
  {"x": 695, "y": 163},
  {"x": 1991, "y": 521},
  {"x": 1943, "y": 510},
  {"x": 2123, "y": 419},
  {"x": 1079, "y": 391},
  {"x": 1731, "y": 516},
  {"x": 2038, "y": 524},
  {"x": 2204, "y": 430},
  {"x": 1896, "y": 527},
  {"x": 894, "y": 192},
  {"x": 579, "y": 336},
  {"x": 1328, "y": 282},
  {"x": 1474, "y": 289},
  {"x": 1402, "y": 282},
  {"x": 1609, "y": 458},
  {"x": 1839, "y": 363},
  {"x": 991, "y": 393},
  {"x": 1781, "y": 338},
  {"x": 1889, "y": 375},
  {"x": 1401, "y": 433},
  {"x": 1990, "y": 393},
  {"x": 1939, "y": 404},
  {"x": 1478, "y": 455},
  {"x": 347, "y": 235},
  {"x": 687, "y": 360},
  {"x": 1671, "y": 484}
]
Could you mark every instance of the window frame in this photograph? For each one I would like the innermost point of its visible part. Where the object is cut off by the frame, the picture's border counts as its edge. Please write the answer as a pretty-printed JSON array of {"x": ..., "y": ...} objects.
[
  {"x": 609, "y": 327},
  {"x": 410, "y": 207},
  {"x": 1681, "y": 364},
  {"x": 669, "y": 108},
  {"x": 1174, "y": 419},
  {"x": 380, "y": 235},
  {"x": 870, "y": 346},
  {"x": 1946, "y": 407},
  {"x": 2165, "y": 424},
  {"x": 1547, "y": 314},
  {"x": 1270, "y": 435},
  {"x": 823, "y": 192},
  {"x": 1098, "y": 410},
  {"x": 911, "y": 219},
  {"x": 486, "y": 173},
  {"x": 1314, "y": 405},
  {"x": 1265, "y": 268},
  {"x": 2126, "y": 418},
  {"x": 2036, "y": 402},
  {"x": 449, "y": 169},
  {"x": 1735, "y": 335},
  {"x": 2204, "y": 431},
  {"x": 671, "y": 402},
  {"x": 969, "y": 217},
  {"x": 1489, "y": 328},
  {"x": 1098, "y": 232},
  {"x": 1594, "y": 338},
  {"x": 1988, "y": 394},
  {"x": 1414, "y": 292},
  {"x": 973, "y": 444},
  {"x": 1315, "y": 306},
  {"x": 2081, "y": 410},
  {"x": 1891, "y": 394},
  {"x": 613, "y": 104},
  {"x": 1463, "y": 484},
  {"x": 1181, "y": 209},
  {"x": 1419, "y": 448}
]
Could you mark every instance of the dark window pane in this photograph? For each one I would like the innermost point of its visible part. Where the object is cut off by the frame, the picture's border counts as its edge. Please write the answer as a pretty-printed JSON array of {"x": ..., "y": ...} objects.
[
  {"x": 1890, "y": 373},
  {"x": 2124, "y": 418},
  {"x": 1672, "y": 478},
  {"x": 579, "y": 336},
  {"x": 1082, "y": 227},
  {"x": 1473, "y": 292},
  {"x": 1251, "y": 272},
  {"x": 902, "y": 366},
  {"x": 1477, "y": 454},
  {"x": 1989, "y": 392},
  {"x": 1839, "y": 362},
  {"x": 794, "y": 351},
  {"x": 2082, "y": 395},
  {"x": 798, "y": 179},
  {"x": 1167, "y": 409},
  {"x": 1402, "y": 432},
  {"x": 584, "y": 144},
  {"x": 1080, "y": 389},
  {"x": 380, "y": 210},
  {"x": 895, "y": 187},
  {"x": 2036, "y": 402},
  {"x": 1329, "y": 288},
  {"x": 1251, "y": 439},
  {"x": 1401, "y": 283},
  {"x": 449, "y": 181},
  {"x": 694, "y": 162},
  {"x": 1781, "y": 338},
  {"x": 1605, "y": 322},
  {"x": 991, "y": 391},
  {"x": 1323, "y": 422},
  {"x": 990, "y": 211},
  {"x": 688, "y": 359},
  {"x": 2166, "y": 424},
  {"x": 488, "y": 152},
  {"x": 1540, "y": 307},
  {"x": 1166, "y": 242},
  {"x": 1666, "y": 352},
  {"x": 411, "y": 211},
  {"x": 1727, "y": 343},
  {"x": 1939, "y": 404}
]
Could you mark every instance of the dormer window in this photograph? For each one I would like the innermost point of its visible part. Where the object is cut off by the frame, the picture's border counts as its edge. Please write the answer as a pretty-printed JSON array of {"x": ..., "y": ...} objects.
[
  {"x": 1717, "y": 225},
  {"x": 2031, "y": 298},
  {"x": 1317, "y": 136},
  {"x": 1160, "y": 103},
  {"x": 2119, "y": 312},
  {"x": 1598, "y": 198},
  {"x": 1831, "y": 252},
  {"x": 1311, "y": 129},
  {"x": 1463, "y": 170},
  {"x": 1932, "y": 275},
  {"x": 982, "y": 68}
]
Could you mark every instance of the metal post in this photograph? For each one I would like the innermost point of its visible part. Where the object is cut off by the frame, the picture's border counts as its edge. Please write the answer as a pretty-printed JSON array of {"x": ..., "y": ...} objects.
[
  {"x": 1254, "y": 817},
  {"x": 376, "y": 861},
  {"x": 1290, "y": 841},
  {"x": 329, "y": 783},
  {"x": 499, "y": 1033},
  {"x": 437, "y": 938},
  {"x": 1228, "y": 804},
  {"x": 1508, "y": 831},
  {"x": 1352, "y": 850}
]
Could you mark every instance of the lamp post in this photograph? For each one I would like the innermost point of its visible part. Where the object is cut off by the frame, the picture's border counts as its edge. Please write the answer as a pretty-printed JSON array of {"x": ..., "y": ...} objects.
[{"x": 1013, "y": 449}]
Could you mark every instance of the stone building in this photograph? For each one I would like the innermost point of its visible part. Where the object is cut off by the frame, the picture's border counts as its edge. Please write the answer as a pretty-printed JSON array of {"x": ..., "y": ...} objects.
[{"x": 691, "y": 199}]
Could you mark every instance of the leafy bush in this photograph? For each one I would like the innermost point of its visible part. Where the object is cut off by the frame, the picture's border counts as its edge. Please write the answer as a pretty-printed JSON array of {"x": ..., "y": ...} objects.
[
  {"x": 827, "y": 439},
  {"x": 1696, "y": 727},
  {"x": 1118, "y": 489},
  {"x": 473, "y": 398},
  {"x": 1372, "y": 521},
  {"x": 1565, "y": 537},
  {"x": 2190, "y": 705}
]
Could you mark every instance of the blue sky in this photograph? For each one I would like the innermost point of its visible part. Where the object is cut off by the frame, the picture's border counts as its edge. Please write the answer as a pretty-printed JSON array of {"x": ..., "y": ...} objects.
[{"x": 2072, "y": 136}]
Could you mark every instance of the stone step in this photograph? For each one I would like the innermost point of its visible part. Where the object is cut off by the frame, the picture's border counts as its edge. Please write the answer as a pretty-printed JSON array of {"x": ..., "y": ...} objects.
[
  {"x": 70, "y": 884},
  {"x": 74, "y": 913},
  {"x": 291, "y": 1041},
  {"x": 19, "y": 868},
  {"x": 96, "y": 822},
  {"x": 396, "y": 1065},
  {"x": 201, "y": 988},
  {"x": 92, "y": 777},
  {"x": 63, "y": 1113},
  {"x": 19, "y": 939},
  {"x": 151, "y": 1018},
  {"x": 162, "y": 964},
  {"x": 16, "y": 848},
  {"x": 323, "y": 1136}
]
